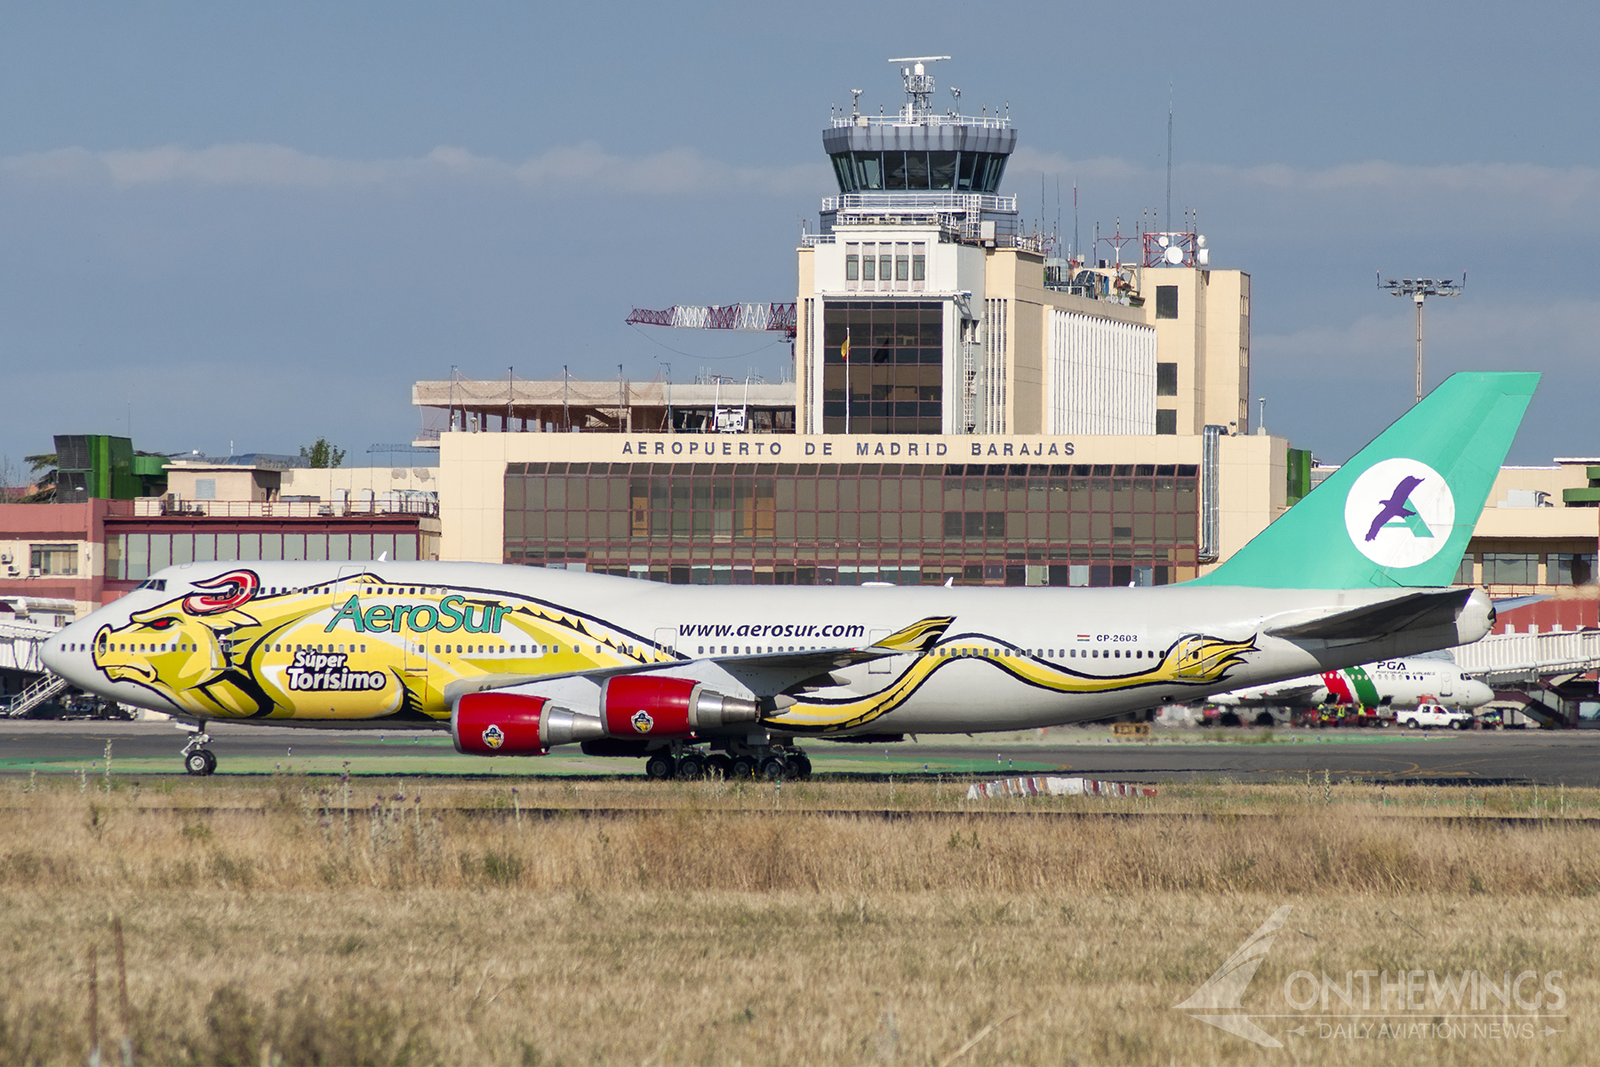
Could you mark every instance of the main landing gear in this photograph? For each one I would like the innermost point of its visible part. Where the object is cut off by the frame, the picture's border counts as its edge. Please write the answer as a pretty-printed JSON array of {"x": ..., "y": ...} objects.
[
  {"x": 741, "y": 762},
  {"x": 197, "y": 758}
]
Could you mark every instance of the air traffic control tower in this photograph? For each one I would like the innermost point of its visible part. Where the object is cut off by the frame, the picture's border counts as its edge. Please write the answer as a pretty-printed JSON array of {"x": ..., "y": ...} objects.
[{"x": 925, "y": 306}]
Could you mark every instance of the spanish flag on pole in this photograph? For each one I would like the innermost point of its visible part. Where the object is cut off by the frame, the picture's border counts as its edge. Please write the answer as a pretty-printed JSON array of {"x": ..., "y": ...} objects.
[{"x": 844, "y": 349}]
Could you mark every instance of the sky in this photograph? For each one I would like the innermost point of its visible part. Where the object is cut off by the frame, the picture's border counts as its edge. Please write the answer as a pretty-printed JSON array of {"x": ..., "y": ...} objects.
[{"x": 240, "y": 227}]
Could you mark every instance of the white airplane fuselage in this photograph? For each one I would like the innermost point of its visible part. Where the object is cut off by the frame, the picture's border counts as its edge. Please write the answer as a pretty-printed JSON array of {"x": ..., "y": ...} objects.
[
  {"x": 1397, "y": 683},
  {"x": 395, "y": 644}
]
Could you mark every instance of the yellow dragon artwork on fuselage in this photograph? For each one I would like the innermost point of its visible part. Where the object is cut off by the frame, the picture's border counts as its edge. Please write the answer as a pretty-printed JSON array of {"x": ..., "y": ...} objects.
[{"x": 1192, "y": 660}]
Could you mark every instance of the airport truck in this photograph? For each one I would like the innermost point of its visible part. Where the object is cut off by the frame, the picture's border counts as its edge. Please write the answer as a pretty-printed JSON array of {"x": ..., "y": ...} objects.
[{"x": 1426, "y": 715}]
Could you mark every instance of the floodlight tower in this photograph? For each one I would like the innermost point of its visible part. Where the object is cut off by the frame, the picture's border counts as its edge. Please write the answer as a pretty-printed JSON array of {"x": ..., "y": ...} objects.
[{"x": 1419, "y": 289}]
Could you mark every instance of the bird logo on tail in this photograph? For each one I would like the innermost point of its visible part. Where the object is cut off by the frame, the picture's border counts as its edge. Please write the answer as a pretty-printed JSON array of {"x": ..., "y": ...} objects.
[
  {"x": 1400, "y": 513},
  {"x": 1398, "y": 509}
]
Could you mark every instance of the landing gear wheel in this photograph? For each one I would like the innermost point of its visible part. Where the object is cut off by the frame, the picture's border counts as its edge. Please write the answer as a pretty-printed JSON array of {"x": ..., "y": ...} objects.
[
  {"x": 660, "y": 767},
  {"x": 718, "y": 766},
  {"x": 200, "y": 762},
  {"x": 742, "y": 767},
  {"x": 690, "y": 767},
  {"x": 773, "y": 768},
  {"x": 800, "y": 765}
]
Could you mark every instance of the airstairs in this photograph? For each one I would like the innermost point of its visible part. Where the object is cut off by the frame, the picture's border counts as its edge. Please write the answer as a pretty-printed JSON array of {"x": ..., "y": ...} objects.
[{"x": 37, "y": 693}]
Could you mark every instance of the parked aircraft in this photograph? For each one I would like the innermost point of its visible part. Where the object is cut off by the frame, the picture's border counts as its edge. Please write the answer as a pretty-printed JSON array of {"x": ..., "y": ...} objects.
[
  {"x": 515, "y": 660},
  {"x": 1399, "y": 683}
]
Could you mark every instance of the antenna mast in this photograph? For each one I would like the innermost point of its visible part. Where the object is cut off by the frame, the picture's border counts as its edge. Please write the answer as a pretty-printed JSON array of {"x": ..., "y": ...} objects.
[
  {"x": 1169, "y": 158},
  {"x": 919, "y": 86}
]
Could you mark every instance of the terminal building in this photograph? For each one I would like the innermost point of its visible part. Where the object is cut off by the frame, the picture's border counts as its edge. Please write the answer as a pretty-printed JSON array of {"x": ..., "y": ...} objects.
[
  {"x": 963, "y": 407},
  {"x": 119, "y": 517}
]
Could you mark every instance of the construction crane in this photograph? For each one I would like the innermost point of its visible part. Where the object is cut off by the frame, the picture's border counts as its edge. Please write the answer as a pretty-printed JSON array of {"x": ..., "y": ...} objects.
[{"x": 773, "y": 316}]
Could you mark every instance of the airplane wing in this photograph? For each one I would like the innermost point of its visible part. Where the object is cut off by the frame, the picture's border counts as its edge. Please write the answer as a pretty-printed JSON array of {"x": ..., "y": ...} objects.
[
  {"x": 1413, "y": 611},
  {"x": 767, "y": 674}
]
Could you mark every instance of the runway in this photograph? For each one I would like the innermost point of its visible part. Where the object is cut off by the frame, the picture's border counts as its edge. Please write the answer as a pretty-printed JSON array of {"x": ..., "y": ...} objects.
[{"x": 1505, "y": 757}]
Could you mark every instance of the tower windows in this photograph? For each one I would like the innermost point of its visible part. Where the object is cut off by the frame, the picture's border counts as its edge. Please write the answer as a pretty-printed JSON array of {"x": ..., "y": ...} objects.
[
  {"x": 1166, "y": 301},
  {"x": 967, "y": 172}
]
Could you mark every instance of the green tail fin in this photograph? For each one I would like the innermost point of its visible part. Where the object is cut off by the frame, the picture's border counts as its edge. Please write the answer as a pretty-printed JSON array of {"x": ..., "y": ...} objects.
[{"x": 1402, "y": 511}]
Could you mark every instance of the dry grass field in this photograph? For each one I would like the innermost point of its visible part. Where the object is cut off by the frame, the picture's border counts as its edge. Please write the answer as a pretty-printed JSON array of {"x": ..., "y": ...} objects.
[{"x": 718, "y": 924}]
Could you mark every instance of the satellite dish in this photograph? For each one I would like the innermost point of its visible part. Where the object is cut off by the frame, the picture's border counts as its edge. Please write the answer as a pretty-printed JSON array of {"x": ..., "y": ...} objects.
[
  {"x": 1163, "y": 240},
  {"x": 1174, "y": 255},
  {"x": 1201, "y": 240}
]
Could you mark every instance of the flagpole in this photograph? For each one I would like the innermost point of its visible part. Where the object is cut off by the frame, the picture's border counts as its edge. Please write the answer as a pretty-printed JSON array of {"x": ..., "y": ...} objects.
[{"x": 846, "y": 353}]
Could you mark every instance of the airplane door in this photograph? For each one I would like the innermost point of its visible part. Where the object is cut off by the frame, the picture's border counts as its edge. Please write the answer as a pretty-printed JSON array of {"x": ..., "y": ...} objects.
[
  {"x": 877, "y": 666},
  {"x": 667, "y": 639},
  {"x": 348, "y": 572},
  {"x": 415, "y": 661},
  {"x": 1446, "y": 684}
]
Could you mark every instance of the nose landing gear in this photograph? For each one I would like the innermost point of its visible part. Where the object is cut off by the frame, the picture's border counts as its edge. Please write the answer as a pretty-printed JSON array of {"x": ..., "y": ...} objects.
[{"x": 197, "y": 758}]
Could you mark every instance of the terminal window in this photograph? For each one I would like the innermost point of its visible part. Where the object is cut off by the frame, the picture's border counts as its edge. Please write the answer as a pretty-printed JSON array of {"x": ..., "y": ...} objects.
[
  {"x": 844, "y": 524},
  {"x": 895, "y": 370},
  {"x": 136, "y": 556},
  {"x": 1166, "y": 379},
  {"x": 1571, "y": 568},
  {"x": 1510, "y": 568},
  {"x": 1166, "y": 301},
  {"x": 1166, "y": 421},
  {"x": 53, "y": 559}
]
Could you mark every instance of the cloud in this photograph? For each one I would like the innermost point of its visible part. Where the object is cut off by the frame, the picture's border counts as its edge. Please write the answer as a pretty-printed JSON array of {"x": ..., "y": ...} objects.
[
  {"x": 1370, "y": 196},
  {"x": 676, "y": 171},
  {"x": 1485, "y": 333},
  {"x": 1331, "y": 388}
]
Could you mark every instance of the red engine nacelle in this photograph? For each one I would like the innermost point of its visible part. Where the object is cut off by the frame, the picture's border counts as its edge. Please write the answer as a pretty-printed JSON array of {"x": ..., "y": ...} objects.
[
  {"x": 648, "y": 705},
  {"x": 511, "y": 724}
]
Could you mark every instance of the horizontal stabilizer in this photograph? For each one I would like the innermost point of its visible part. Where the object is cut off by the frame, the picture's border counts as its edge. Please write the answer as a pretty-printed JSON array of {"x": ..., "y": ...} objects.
[{"x": 1415, "y": 611}]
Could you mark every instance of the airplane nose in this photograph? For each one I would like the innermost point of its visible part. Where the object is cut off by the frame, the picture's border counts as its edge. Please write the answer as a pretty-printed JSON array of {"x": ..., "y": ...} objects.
[{"x": 64, "y": 652}]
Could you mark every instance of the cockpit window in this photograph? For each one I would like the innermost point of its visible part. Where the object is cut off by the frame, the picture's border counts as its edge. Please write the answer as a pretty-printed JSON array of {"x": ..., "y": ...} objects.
[{"x": 158, "y": 584}]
